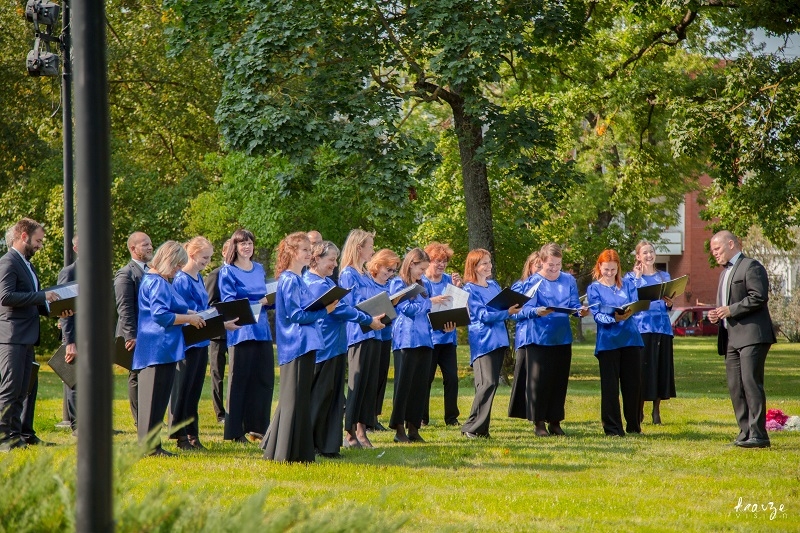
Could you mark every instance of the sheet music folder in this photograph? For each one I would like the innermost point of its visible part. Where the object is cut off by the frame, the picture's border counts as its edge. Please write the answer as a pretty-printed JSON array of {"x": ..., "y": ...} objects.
[
  {"x": 68, "y": 372},
  {"x": 237, "y": 309},
  {"x": 508, "y": 298},
  {"x": 68, "y": 298},
  {"x": 459, "y": 315},
  {"x": 378, "y": 305},
  {"x": 330, "y": 296},
  {"x": 670, "y": 289}
]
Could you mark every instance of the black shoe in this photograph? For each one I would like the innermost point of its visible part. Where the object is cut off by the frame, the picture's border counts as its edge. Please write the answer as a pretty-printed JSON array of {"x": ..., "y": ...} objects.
[
  {"x": 555, "y": 429},
  {"x": 184, "y": 444},
  {"x": 379, "y": 427},
  {"x": 453, "y": 422},
  {"x": 416, "y": 438},
  {"x": 36, "y": 441},
  {"x": 241, "y": 439},
  {"x": 12, "y": 444},
  {"x": 753, "y": 443},
  {"x": 160, "y": 452},
  {"x": 195, "y": 442}
]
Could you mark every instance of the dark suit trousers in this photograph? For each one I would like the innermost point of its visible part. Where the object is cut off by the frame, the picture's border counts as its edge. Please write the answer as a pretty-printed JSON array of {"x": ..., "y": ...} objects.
[
  {"x": 327, "y": 403},
  {"x": 155, "y": 386},
  {"x": 487, "y": 376},
  {"x": 217, "y": 355},
  {"x": 29, "y": 408},
  {"x": 251, "y": 380},
  {"x": 186, "y": 391},
  {"x": 745, "y": 370},
  {"x": 133, "y": 394},
  {"x": 620, "y": 370},
  {"x": 444, "y": 356},
  {"x": 411, "y": 369},
  {"x": 16, "y": 361}
]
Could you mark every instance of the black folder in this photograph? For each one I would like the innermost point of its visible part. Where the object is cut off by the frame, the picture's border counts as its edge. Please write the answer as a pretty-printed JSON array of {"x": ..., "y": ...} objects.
[
  {"x": 272, "y": 291},
  {"x": 378, "y": 305},
  {"x": 65, "y": 303},
  {"x": 215, "y": 327},
  {"x": 641, "y": 305},
  {"x": 68, "y": 372},
  {"x": 406, "y": 293},
  {"x": 670, "y": 289},
  {"x": 333, "y": 294},
  {"x": 122, "y": 356},
  {"x": 459, "y": 315},
  {"x": 237, "y": 309},
  {"x": 508, "y": 298},
  {"x": 565, "y": 310}
]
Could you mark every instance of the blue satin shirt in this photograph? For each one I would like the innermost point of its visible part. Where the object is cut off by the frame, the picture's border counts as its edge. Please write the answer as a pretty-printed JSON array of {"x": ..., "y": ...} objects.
[
  {"x": 610, "y": 333},
  {"x": 436, "y": 289},
  {"x": 521, "y": 325},
  {"x": 360, "y": 290},
  {"x": 655, "y": 319},
  {"x": 235, "y": 284},
  {"x": 487, "y": 329},
  {"x": 297, "y": 331},
  {"x": 553, "y": 329},
  {"x": 193, "y": 292},
  {"x": 333, "y": 325},
  {"x": 158, "y": 340},
  {"x": 411, "y": 328}
]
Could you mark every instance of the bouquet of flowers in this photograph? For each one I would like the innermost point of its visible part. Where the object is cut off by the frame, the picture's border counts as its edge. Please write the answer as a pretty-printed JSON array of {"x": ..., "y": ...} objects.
[{"x": 777, "y": 420}]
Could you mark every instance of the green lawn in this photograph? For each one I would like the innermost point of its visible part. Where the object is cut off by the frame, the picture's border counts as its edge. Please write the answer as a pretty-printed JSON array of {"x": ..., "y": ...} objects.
[{"x": 683, "y": 475}]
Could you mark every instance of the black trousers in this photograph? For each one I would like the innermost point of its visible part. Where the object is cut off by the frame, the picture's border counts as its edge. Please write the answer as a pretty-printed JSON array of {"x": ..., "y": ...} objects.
[
  {"x": 155, "y": 386},
  {"x": 444, "y": 356},
  {"x": 547, "y": 380},
  {"x": 251, "y": 380},
  {"x": 72, "y": 407},
  {"x": 217, "y": 356},
  {"x": 29, "y": 408},
  {"x": 411, "y": 369},
  {"x": 745, "y": 371},
  {"x": 187, "y": 388},
  {"x": 16, "y": 362},
  {"x": 620, "y": 370},
  {"x": 518, "y": 403},
  {"x": 327, "y": 403},
  {"x": 487, "y": 376},
  {"x": 290, "y": 437},
  {"x": 362, "y": 383},
  {"x": 133, "y": 394},
  {"x": 383, "y": 376}
]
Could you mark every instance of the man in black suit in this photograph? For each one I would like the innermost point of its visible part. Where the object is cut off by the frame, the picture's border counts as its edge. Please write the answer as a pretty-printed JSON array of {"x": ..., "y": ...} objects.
[
  {"x": 126, "y": 290},
  {"x": 745, "y": 336},
  {"x": 218, "y": 349},
  {"x": 67, "y": 275},
  {"x": 21, "y": 303}
]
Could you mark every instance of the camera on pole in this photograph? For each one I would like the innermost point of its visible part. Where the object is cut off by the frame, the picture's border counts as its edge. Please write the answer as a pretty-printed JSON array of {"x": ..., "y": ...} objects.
[{"x": 43, "y": 62}]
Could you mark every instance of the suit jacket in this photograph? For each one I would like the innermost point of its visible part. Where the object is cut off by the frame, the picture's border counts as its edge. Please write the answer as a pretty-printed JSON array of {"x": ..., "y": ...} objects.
[
  {"x": 214, "y": 297},
  {"x": 748, "y": 294},
  {"x": 68, "y": 274},
  {"x": 21, "y": 302},
  {"x": 126, "y": 291}
]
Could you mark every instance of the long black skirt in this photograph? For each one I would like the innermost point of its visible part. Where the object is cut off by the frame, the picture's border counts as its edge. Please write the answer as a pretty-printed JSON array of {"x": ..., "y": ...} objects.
[
  {"x": 658, "y": 369},
  {"x": 327, "y": 403},
  {"x": 363, "y": 363},
  {"x": 290, "y": 437},
  {"x": 411, "y": 368},
  {"x": 251, "y": 380}
]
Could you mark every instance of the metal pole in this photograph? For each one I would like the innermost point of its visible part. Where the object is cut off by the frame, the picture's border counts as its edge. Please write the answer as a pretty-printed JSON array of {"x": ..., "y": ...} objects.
[
  {"x": 92, "y": 158},
  {"x": 66, "y": 107}
]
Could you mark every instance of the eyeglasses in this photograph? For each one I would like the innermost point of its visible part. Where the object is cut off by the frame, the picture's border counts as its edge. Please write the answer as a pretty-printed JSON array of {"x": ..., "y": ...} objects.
[
  {"x": 391, "y": 270},
  {"x": 440, "y": 261}
]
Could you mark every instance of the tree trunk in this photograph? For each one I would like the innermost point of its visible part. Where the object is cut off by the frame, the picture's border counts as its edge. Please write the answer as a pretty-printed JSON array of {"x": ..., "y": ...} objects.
[{"x": 477, "y": 198}]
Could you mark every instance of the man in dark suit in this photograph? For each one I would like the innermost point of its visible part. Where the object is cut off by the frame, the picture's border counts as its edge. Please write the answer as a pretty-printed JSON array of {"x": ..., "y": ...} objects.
[
  {"x": 21, "y": 303},
  {"x": 67, "y": 275},
  {"x": 745, "y": 336},
  {"x": 218, "y": 349},
  {"x": 126, "y": 290}
]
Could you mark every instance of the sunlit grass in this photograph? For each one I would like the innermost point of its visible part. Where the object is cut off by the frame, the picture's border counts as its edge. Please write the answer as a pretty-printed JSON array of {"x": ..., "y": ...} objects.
[{"x": 683, "y": 475}]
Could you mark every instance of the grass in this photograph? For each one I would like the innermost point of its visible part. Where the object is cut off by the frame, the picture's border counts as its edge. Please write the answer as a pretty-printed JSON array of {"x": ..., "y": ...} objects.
[{"x": 683, "y": 475}]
